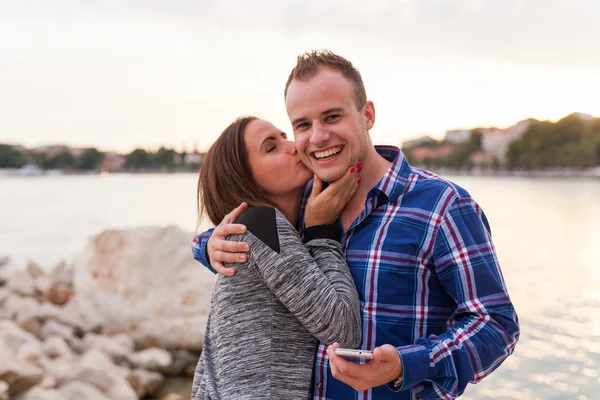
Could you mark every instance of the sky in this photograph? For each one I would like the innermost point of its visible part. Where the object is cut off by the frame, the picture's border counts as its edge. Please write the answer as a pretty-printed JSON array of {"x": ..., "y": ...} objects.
[{"x": 121, "y": 74}]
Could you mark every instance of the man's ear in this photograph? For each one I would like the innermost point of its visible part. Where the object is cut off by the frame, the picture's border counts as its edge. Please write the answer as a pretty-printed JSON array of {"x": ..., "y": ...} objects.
[{"x": 369, "y": 114}]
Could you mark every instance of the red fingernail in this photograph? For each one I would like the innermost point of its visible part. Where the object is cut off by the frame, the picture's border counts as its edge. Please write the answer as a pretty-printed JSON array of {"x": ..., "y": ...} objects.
[
  {"x": 358, "y": 180},
  {"x": 359, "y": 165},
  {"x": 352, "y": 170}
]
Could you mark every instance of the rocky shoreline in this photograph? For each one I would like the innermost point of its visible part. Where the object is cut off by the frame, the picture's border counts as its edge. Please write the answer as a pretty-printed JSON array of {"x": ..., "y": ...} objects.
[{"x": 124, "y": 321}]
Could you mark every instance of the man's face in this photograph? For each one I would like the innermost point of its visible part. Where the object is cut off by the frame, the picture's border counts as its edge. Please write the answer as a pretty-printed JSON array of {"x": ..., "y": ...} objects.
[{"x": 331, "y": 134}]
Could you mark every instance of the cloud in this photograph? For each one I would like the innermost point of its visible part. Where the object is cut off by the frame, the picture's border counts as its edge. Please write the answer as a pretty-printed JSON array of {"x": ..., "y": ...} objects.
[
  {"x": 556, "y": 33},
  {"x": 132, "y": 72}
]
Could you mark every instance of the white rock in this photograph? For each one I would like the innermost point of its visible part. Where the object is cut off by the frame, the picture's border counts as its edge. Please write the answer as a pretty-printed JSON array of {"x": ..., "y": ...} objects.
[
  {"x": 61, "y": 288},
  {"x": 4, "y": 295},
  {"x": 17, "y": 348},
  {"x": 53, "y": 328},
  {"x": 5, "y": 270},
  {"x": 145, "y": 383},
  {"x": 153, "y": 359},
  {"x": 42, "y": 286},
  {"x": 182, "y": 359},
  {"x": 55, "y": 346},
  {"x": 97, "y": 369},
  {"x": 62, "y": 272},
  {"x": 19, "y": 308},
  {"x": 30, "y": 352},
  {"x": 118, "y": 347},
  {"x": 4, "y": 391},
  {"x": 144, "y": 281},
  {"x": 34, "y": 270},
  {"x": 21, "y": 283},
  {"x": 46, "y": 311},
  {"x": 61, "y": 370},
  {"x": 81, "y": 391},
  {"x": 38, "y": 393},
  {"x": 49, "y": 382}
]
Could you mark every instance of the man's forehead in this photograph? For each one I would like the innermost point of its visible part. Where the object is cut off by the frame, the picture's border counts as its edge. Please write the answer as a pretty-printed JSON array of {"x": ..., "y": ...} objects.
[{"x": 321, "y": 92}]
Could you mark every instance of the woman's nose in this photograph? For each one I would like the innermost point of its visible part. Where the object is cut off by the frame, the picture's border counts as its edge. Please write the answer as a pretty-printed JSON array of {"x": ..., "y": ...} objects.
[{"x": 292, "y": 148}]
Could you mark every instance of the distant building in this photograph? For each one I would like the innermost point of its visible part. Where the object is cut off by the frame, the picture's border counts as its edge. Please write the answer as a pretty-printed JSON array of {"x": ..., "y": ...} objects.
[
  {"x": 496, "y": 141},
  {"x": 482, "y": 158},
  {"x": 457, "y": 136},
  {"x": 193, "y": 159},
  {"x": 422, "y": 153},
  {"x": 78, "y": 151},
  {"x": 112, "y": 162}
]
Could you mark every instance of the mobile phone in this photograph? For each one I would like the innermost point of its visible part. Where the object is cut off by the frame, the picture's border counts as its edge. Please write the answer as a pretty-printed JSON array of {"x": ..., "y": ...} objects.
[{"x": 354, "y": 354}]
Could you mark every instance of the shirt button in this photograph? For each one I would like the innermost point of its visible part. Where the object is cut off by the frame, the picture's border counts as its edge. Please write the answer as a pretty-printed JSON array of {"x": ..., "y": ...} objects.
[{"x": 319, "y": 386}]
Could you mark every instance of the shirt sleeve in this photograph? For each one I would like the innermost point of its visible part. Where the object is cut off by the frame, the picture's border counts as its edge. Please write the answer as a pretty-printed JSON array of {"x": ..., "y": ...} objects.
[
  {"x": 314, "y": 283},
  {"x": 199, "y": 249},
  {"x": 484, "y": 328}
]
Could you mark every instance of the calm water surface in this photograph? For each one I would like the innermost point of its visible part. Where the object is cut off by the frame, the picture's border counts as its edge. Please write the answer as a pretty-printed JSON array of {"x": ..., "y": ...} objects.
[{"x": 547, "y": 234}]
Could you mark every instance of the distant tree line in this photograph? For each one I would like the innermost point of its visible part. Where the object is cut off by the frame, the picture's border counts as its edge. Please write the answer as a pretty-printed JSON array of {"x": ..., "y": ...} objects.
[
  {"x": 163, "y": 158},
  {"x": 571, "y": 142},
  {"x": 90, "y": 159},
  {"x": 13, "y": 157}
]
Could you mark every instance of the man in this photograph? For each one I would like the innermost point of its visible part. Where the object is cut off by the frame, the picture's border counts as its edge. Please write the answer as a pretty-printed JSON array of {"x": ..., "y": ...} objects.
[{"x": 435, "y": 308}]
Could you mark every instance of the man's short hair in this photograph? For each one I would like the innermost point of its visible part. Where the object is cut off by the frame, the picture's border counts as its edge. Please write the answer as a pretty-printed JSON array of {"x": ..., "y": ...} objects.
[{"x": 308, "y": 64}]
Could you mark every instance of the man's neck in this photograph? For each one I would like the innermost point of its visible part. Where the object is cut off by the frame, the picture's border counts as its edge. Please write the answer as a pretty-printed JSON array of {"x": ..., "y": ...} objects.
[
  {"x": 373, "y": 169},
  {"x": 289, "y": 205}
]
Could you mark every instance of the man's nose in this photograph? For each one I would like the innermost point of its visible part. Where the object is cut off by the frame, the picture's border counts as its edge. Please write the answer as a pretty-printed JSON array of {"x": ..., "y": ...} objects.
[{"x": 319, "y": 134}]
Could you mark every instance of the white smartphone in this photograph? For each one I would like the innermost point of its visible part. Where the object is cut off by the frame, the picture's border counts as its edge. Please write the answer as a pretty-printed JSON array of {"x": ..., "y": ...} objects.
[{"x": 354, "y": 354}]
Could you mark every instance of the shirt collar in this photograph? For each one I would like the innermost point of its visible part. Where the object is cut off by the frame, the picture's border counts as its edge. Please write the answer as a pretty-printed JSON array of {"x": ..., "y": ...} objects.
[{"x": 395, "y": 180}]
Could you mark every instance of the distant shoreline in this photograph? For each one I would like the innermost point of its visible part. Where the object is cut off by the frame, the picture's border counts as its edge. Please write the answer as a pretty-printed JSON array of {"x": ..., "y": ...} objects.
[{"x": 591, "y": 173}]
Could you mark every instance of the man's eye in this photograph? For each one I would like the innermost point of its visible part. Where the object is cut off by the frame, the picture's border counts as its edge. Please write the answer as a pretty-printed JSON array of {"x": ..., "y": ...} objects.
[
  {"x": 303, "y": 125},
  {"x": 330, "y": 118}
]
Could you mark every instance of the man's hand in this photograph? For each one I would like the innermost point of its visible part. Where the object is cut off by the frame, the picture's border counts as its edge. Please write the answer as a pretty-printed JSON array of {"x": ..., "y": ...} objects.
[
  {"x": 220, "y": 250},
  {"x": 384, "y": 368}
]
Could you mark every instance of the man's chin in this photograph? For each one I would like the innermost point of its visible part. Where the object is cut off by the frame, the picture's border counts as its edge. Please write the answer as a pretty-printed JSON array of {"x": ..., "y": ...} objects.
[{"x": 329, "y": 176}]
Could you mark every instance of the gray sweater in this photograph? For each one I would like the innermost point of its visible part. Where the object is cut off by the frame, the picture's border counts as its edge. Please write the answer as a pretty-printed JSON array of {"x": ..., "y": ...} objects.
[{"x": 264, "y": 322}]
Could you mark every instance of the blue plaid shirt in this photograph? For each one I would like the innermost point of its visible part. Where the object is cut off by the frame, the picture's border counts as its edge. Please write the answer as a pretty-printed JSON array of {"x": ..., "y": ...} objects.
[{"x": 425, "y": 267}]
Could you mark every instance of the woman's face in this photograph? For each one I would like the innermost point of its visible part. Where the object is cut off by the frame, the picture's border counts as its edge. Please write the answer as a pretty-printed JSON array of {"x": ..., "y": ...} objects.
[{"x": 274, "y": 161}]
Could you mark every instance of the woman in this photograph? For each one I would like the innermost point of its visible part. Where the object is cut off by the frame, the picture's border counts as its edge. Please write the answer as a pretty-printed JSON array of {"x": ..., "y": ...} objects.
[{"x": 264, "y": 323}]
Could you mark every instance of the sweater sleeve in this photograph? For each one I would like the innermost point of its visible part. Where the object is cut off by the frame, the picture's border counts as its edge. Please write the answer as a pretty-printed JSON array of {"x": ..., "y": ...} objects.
[{"x": 313, "y": 282}]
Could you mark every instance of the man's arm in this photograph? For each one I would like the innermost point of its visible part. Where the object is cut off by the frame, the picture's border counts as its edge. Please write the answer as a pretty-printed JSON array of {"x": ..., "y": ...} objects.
[
  {"x": 484, "y": 327},
  {"x": 199, "y": 249},
  {"x": 211, "y": 248}
]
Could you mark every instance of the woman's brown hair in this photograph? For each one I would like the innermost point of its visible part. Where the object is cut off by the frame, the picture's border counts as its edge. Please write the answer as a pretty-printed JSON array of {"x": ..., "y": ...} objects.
[{"x": 225, "y": 179}]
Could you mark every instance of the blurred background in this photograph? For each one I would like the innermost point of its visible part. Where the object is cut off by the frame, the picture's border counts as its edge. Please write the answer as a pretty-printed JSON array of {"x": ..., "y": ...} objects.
[{"x": 106, "y": 110}]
